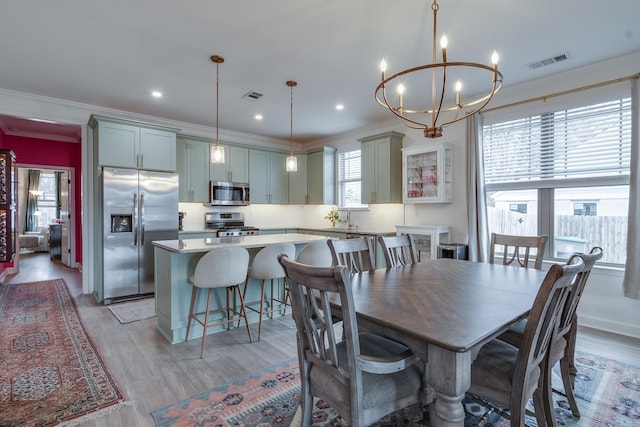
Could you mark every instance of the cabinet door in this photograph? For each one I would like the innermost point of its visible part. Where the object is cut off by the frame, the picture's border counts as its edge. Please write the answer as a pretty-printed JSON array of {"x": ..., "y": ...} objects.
[
  {"x": 278, "y": 179},
  {"x": 259, "y": 177},
  {"x": 157, "y": 150},
  {"x": 298, "y": 182},
  {"x": 193, "y": 168},
  {"x": 368, "y": 171},
  {"x": 238, "y": 164},
  {"x": 321, "y": 176},
  {"x": 118, "y": 145},
  {"x": 427, "y": 174}
]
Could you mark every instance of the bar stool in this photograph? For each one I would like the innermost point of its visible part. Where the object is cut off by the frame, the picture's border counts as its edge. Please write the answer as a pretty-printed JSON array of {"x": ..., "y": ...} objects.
[
  {"x": 224, "y": 267},
  {"x": 265, "y": 266},
  {"x": 316, "y": 253}
]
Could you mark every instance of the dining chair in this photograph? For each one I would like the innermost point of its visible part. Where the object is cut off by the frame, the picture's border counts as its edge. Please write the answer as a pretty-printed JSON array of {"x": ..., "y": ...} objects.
[
  {"x": 398, "y": 250},
  {"x": 224, "y": 267},
  {"x": 265, "y": 267},
  {"x": 562, "y": 349},
  {"x": 516, "y": 250},
  {"x": 355, "y": 254},
  {"x": 505, "y": 377},
  {"x": 362, "y": 377}
]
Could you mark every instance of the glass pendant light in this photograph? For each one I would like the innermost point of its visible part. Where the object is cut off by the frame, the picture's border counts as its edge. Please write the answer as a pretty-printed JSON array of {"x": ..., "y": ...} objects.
[
  {"x": 292, "y": 161},
  {"x": 217, "y": 151}
]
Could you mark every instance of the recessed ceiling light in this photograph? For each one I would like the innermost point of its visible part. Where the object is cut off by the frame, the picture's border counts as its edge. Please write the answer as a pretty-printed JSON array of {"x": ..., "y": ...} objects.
[
  {"x": 339, "y": 107},
  {"x": 258, "y": 117},
  {"x": 156, "y": 94}
]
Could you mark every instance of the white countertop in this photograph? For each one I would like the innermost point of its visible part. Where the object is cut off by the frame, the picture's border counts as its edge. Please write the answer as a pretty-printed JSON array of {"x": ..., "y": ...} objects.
[{"x": 259, "y": 241}]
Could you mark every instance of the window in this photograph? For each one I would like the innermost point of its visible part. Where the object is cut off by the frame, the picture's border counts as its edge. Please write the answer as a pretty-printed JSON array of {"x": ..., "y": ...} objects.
[
  {"x": 349, "y": 179},
  {"x": 562, "y": 162},
  {"x": 47, "y": 202}
]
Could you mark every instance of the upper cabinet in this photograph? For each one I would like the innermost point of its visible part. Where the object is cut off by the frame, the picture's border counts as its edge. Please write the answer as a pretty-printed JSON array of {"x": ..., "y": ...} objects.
[
  {"x": 8, "y": 189},
  {"x": 192, "y": 158},
  {"x": 235, "y": 167},
  {"x": 427, "y": 174},
  {"x": 321, "y": 176},
  {"x": 298, "y": 182},
  {"x": 382, "y": 168},
  {"x": 134, "y": 145},
  {"x": 268, "y": 179}
]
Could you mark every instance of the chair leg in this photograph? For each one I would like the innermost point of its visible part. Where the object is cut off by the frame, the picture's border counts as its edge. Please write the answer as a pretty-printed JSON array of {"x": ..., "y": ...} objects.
[
  {"x": 565, "y": 373},
  {"x": 545, "y": 406},
  {"x": 194, "y": 294},
  {"x": 243, "y": 313},
  {"x": 206, "y": 322},
  {"x": 261, "y": 309}
]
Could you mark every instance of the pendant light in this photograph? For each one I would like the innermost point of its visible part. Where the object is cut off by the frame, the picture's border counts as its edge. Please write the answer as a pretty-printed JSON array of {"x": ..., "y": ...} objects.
[
  {"x": 217, "y": 151},
  {"x": 292, "y": 161}
]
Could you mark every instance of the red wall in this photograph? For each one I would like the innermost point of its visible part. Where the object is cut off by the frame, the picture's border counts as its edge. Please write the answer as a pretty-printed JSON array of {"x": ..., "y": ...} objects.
[{"x": 44, "y": 152}]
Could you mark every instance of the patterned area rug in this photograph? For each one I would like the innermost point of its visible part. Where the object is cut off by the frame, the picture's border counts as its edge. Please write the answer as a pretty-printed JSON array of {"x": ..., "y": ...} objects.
[
  {"x": 50, "y": 369},
  {"x": 127, "y": 312},
  {"x": 608, "y": 394}
]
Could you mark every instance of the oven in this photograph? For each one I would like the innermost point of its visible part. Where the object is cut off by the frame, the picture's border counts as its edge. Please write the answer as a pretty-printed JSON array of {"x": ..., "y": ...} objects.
[{"x": 228, "y": 224}]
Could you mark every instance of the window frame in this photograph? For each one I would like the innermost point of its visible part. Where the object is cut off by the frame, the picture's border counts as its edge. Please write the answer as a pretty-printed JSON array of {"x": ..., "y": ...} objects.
[{"x": 341, "y": 181}]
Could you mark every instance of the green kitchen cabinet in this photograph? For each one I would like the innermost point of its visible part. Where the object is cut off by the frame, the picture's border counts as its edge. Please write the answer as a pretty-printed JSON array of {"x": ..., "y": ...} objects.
[
  {"x": 128, "y": 144},
  {"x": 193, "y": 170},
  {"x": 382, "y": 168},
  {"x": 298, "y": 182},
  {"x": 268, "y": 178},
  {"x": 235, "y": 167},
  {"x": 321, "y": 176}
]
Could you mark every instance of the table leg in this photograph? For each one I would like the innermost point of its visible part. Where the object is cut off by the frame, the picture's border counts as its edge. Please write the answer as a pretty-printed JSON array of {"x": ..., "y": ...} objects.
[{"x": 450, "y": 377}]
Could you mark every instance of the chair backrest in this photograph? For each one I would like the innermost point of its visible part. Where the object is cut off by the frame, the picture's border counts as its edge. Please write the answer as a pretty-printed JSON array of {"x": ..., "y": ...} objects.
[
  {"x": 398, "y": 250},
  {"x": 221, "y": 267},
  {"x": 568, "y": 316},
  {"x": 265, "y": 264},
  {"x": 316, "y": 253},
  {"x": 517, "y": 250},
  {"x": 317, "y": 340},
  {"x": 542, "y": 326},
  {"x": 355, "y": 254}
]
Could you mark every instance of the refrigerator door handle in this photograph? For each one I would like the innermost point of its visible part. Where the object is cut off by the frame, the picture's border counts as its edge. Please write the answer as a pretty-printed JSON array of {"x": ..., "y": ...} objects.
[
  {"x": 135, "y": 219},
  {"x": 142, "y": 219}
]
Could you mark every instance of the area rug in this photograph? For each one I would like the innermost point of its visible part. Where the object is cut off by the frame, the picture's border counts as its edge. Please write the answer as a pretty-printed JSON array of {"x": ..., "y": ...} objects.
[
  {"x": 50, "y": 370},
  {"x": 608, "y": 394},
  {"x": 127, "y": 312}
]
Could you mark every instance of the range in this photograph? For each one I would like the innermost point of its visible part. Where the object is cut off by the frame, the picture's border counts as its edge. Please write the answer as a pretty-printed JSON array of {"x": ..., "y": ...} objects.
[{"x": 228, "y": 224}]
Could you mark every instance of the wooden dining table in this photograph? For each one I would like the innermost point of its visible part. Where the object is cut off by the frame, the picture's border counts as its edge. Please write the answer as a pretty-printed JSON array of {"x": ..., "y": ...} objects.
[{"x": 445, "y": 310}]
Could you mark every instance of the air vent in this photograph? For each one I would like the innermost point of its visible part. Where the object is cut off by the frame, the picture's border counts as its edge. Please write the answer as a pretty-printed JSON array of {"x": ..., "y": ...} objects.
[
  {"x": 549, "y": 61},
  {"x": 253, "y": 95}
]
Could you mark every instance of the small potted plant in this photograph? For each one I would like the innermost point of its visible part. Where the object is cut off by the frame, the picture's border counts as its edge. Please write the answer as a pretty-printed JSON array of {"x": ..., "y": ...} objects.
[{"x": 334, "y": 217}]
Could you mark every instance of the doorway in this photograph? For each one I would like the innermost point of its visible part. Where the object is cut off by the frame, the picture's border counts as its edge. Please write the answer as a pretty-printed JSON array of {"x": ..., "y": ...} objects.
[{"x": 45, "y": 200}]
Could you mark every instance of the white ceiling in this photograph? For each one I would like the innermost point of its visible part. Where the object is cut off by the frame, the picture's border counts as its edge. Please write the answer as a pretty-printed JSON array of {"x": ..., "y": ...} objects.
[{"x": 113, "y": 53}]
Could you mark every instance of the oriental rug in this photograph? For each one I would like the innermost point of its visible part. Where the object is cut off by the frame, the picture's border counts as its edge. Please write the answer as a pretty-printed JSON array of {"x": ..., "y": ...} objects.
[
  {"x": 608, "y": 394},
  {"x": 50, "y": 370}
]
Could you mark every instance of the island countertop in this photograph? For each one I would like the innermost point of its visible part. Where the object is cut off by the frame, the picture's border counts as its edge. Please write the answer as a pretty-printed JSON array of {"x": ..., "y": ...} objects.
[{"x": 206, "y": 244}]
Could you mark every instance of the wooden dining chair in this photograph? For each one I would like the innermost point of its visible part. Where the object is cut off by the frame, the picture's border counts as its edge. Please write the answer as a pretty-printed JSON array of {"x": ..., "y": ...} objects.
[
  {"x": 398, "y": 250},
  {"x": 516, "y": 250},
  {"x": 562, "y": 349},
  {"x": 362, "y": 377},
  {"x": 355, "y": 254},
  {"x": 505, "y": 377}
]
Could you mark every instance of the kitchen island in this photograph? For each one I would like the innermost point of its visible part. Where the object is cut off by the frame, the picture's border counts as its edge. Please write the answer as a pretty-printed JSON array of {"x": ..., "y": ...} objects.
[{"x": 175, "y": 261}]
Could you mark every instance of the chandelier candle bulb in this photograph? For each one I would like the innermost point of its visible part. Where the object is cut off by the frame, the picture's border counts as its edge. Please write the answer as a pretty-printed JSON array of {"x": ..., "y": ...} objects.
[
  {"x": 443, "y": 46},
  {"x": 383, "y": 68},
  {"x": 458, "y": 89}
]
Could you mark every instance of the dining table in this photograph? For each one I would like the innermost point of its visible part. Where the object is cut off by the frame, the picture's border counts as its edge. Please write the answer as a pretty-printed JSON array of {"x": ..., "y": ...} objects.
[{"x": 444, "y": 310}]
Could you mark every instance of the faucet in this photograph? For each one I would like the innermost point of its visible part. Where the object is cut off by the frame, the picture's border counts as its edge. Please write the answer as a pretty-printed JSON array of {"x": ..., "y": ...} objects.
[{"x": 349, "y": 225}]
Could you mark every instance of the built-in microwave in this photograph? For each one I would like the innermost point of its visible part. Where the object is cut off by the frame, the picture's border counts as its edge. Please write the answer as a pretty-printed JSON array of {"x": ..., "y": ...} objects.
[{"x": 229, "y": 193}]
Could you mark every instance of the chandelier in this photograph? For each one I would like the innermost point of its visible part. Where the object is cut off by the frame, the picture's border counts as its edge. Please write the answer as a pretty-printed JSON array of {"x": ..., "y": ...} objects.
[
  {"x": 292, "y": 161},
  {"x": 443, "y": 110},
  {"x": 217, "y": 151}
]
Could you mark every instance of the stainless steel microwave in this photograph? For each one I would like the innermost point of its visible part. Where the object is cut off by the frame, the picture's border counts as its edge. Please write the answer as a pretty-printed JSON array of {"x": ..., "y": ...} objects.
[{"x": 229, "y": 193}]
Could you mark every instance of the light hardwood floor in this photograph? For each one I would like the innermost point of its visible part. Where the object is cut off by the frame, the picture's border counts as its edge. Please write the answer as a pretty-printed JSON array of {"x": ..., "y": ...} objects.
[{"x": 153, "y": 373}]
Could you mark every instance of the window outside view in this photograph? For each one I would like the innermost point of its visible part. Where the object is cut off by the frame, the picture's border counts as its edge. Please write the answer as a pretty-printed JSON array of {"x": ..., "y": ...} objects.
[
  {"x": 569, "y": 168},
  {"x": 46, "y": 202},
  {"x": 349, "y": 179}
]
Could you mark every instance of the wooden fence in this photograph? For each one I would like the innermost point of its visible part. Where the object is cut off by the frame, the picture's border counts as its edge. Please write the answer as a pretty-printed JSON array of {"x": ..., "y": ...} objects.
[{"x": 608, "y": 232}]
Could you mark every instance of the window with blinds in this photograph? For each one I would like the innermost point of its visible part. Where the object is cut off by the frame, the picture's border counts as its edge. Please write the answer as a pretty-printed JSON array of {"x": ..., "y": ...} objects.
[
  {"x": 567, "y": 170},
  {"x": 349, "y": 179}
]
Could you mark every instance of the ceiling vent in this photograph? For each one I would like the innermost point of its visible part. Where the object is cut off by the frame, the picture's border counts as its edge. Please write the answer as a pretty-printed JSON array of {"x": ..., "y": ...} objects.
[
  {"x": 549, "y": 61},
  {"x": 252, "y": 95}
]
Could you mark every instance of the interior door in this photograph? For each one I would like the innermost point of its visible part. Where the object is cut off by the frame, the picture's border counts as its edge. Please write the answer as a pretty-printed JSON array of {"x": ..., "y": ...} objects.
[{"x": 65, "y": 190}]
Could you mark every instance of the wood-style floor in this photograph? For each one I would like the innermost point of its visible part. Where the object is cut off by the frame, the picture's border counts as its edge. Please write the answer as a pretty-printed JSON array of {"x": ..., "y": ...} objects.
[{"x": 153, "y": 373}]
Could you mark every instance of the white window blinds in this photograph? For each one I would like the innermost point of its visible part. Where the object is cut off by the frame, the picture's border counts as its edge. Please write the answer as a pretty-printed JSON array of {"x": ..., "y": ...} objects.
[
  {"x": 552, "y": 148},
  {"x": 349, "y": 178}
]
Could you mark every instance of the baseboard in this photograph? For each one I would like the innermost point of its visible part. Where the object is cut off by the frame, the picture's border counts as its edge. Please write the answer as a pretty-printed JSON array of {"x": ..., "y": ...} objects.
[{"x": 624, "y": 329}]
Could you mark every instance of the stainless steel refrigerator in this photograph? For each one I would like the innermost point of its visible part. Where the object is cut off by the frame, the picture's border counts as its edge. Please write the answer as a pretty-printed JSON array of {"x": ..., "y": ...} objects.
[{"x": 138, "y": 208}]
